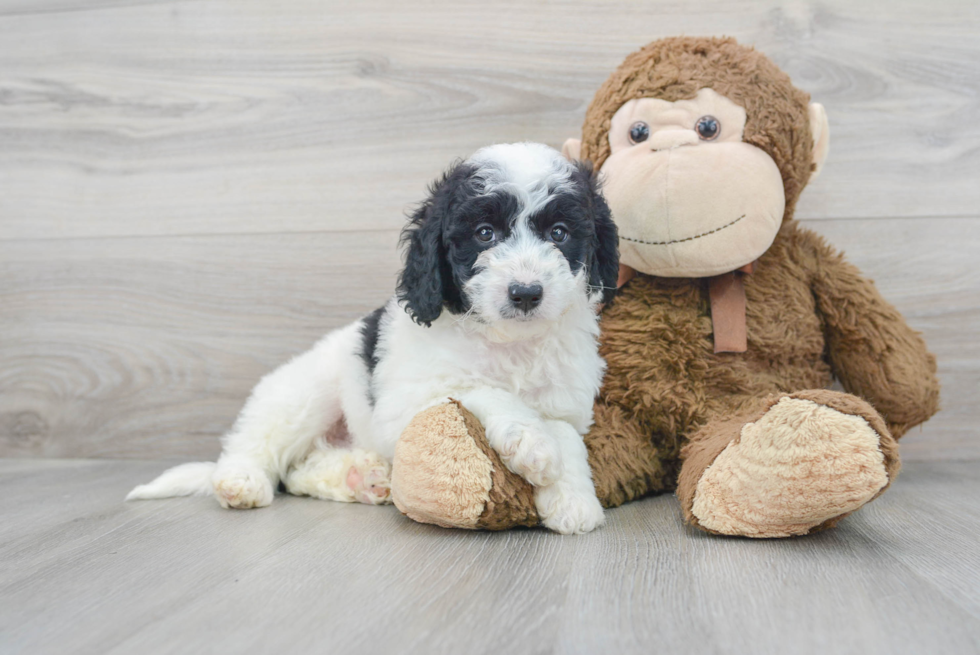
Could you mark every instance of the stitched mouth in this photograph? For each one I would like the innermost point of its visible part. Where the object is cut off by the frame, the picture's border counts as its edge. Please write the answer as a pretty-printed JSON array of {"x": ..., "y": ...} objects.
[{"x": 696, "y": 236}]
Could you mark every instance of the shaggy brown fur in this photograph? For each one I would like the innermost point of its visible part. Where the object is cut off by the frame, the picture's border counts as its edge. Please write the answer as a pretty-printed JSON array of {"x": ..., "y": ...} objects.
[
  {"x": 810, "y": 316},
  {"x": 669, "y": 404}
]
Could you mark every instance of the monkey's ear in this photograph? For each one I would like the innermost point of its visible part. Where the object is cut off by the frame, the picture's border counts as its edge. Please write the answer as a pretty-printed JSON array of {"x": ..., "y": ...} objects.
[
  {"x": 820, "y": 129},
  {"x": 572, "y": 149}
]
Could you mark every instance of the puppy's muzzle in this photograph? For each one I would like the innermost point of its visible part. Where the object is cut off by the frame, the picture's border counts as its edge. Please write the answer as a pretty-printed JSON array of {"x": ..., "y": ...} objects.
[{"x": 524, "y": 297}]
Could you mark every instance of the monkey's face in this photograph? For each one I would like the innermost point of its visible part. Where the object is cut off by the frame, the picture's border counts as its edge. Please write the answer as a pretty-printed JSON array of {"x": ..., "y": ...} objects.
[{"x": 689, "y": 197}]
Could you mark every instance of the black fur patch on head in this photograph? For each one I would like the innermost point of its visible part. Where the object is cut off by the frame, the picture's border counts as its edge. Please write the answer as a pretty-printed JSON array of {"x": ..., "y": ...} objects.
[
  {"x": 442, "y": 248},
  {"x": 604, "y": 263},
  {"x": 496, "y": 211},
  {"x": 593, "y": 240},
  {"x": 426, "y": 282}
]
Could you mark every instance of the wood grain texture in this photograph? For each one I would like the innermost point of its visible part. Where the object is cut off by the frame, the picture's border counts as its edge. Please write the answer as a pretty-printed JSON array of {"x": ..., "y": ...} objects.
[
  {"x": 163, "y": 118},
  {"x": 147, "y": 347},
  {"x": 191, "y": 192},
  {"x": 82, "y": 572}
]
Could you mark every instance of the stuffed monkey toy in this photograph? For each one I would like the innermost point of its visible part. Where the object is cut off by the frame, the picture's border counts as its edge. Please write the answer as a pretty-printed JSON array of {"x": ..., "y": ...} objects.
[{"x": 730, "y": 324}]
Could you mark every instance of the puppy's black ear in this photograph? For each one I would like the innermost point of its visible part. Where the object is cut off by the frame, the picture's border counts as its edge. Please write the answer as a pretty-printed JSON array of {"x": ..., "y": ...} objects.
[
  {"x": 604, "y": 267},
  {"x": 426, "y": 283}
]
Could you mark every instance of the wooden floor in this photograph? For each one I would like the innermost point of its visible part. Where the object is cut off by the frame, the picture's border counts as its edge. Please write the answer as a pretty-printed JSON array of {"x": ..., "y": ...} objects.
[
  {"x": 193, "y": 191},
  {"x": 83, "y": 572}
]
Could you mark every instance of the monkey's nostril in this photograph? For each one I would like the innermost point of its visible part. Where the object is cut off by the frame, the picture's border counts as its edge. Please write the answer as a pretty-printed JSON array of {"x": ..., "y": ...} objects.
[{"x": 525, "y": 297}]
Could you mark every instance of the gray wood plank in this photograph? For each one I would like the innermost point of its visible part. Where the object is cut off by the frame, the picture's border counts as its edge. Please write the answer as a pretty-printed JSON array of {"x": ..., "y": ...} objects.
[
  {"x": 182, "y": 575},
  {"x": 147, "y": 347},
  {"x": 124, "y": 118},
  {"x": 155, "y": 343},
  {"x": 938, "y": 513}
]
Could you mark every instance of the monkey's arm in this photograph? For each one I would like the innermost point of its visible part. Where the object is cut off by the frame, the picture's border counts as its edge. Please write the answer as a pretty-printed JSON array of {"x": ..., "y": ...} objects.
[{"x": 872, "y": 350}]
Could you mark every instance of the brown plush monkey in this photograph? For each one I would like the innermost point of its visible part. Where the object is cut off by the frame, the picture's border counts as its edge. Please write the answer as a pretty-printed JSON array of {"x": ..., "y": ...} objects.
[{"x": 729, "y": 326}]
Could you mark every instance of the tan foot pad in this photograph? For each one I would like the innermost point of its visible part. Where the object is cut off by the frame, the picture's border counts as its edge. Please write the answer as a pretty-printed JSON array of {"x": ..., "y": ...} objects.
[
  {"x": 445, "y": 473},
  {"x": 798, "y": 466}
]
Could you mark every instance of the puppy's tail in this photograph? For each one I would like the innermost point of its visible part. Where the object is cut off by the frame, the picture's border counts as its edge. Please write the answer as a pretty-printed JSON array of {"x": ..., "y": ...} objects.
[{"x": 192, "y": 479}]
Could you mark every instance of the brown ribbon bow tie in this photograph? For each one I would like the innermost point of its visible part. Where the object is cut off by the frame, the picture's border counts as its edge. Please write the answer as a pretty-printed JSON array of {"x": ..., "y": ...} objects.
[{"x": 727, "y": 293}]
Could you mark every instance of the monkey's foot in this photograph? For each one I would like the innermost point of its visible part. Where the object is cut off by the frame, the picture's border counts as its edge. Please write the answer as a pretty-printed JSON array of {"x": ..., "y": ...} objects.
[
  {"x": 809, "y": 460},
  {"x": 446, "y": 473}
]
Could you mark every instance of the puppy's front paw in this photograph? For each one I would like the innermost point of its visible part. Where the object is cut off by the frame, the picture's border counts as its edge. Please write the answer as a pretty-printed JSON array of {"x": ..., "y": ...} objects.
[
  {"x": 242, "y": 488},
  {"x": 529, "y": 451},
  {"x": 568, "y": 511}
]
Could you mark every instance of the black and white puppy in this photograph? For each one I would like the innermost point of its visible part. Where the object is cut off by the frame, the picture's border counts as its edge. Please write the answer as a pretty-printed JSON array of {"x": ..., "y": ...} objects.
[{"x": 507, "y": 262}]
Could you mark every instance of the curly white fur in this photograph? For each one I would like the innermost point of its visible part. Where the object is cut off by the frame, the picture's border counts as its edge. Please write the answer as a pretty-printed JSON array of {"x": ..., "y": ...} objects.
[{"x": 530, "y": 379}]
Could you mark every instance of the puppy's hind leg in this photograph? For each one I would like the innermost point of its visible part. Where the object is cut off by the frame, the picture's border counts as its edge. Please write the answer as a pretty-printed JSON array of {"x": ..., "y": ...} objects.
[
  {"x": 347, "y": 475},
  {"x": 288, "y": 410}
]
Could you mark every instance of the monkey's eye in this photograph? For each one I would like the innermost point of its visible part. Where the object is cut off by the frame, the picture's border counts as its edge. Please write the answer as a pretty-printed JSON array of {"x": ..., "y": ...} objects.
[
  {"x": 708, "y": 128},
  {"x": 559, "y": 233},
  {"x": 484, "y": 234},
  {"x": 639, "y": 132}
]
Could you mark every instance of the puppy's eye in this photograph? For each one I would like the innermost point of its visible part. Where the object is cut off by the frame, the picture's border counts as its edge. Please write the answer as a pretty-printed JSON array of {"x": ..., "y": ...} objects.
[
  {"x": 484, "y": 234},
  {"x": 559, "y": 233},
  {"x": 639, "y": 132},
  {"x": 708, "y": 128}
]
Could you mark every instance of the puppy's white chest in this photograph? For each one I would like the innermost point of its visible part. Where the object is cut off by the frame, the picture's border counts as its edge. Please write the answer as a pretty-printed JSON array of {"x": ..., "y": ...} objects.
[
  {"x": 521, "y": 366},
  {"x": 546, "y": 376}
]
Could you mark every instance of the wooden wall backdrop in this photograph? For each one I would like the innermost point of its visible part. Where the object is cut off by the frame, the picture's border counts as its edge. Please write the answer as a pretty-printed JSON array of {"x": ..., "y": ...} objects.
[{"x": 190, "y": 192}]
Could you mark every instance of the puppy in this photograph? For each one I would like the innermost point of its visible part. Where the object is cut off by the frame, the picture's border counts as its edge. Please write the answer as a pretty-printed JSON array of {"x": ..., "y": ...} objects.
[{"x": 507, "y": 262}]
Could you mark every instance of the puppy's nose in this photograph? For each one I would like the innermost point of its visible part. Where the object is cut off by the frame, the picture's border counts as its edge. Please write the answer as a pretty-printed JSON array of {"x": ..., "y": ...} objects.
[{"x": 525, "y": 297}]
